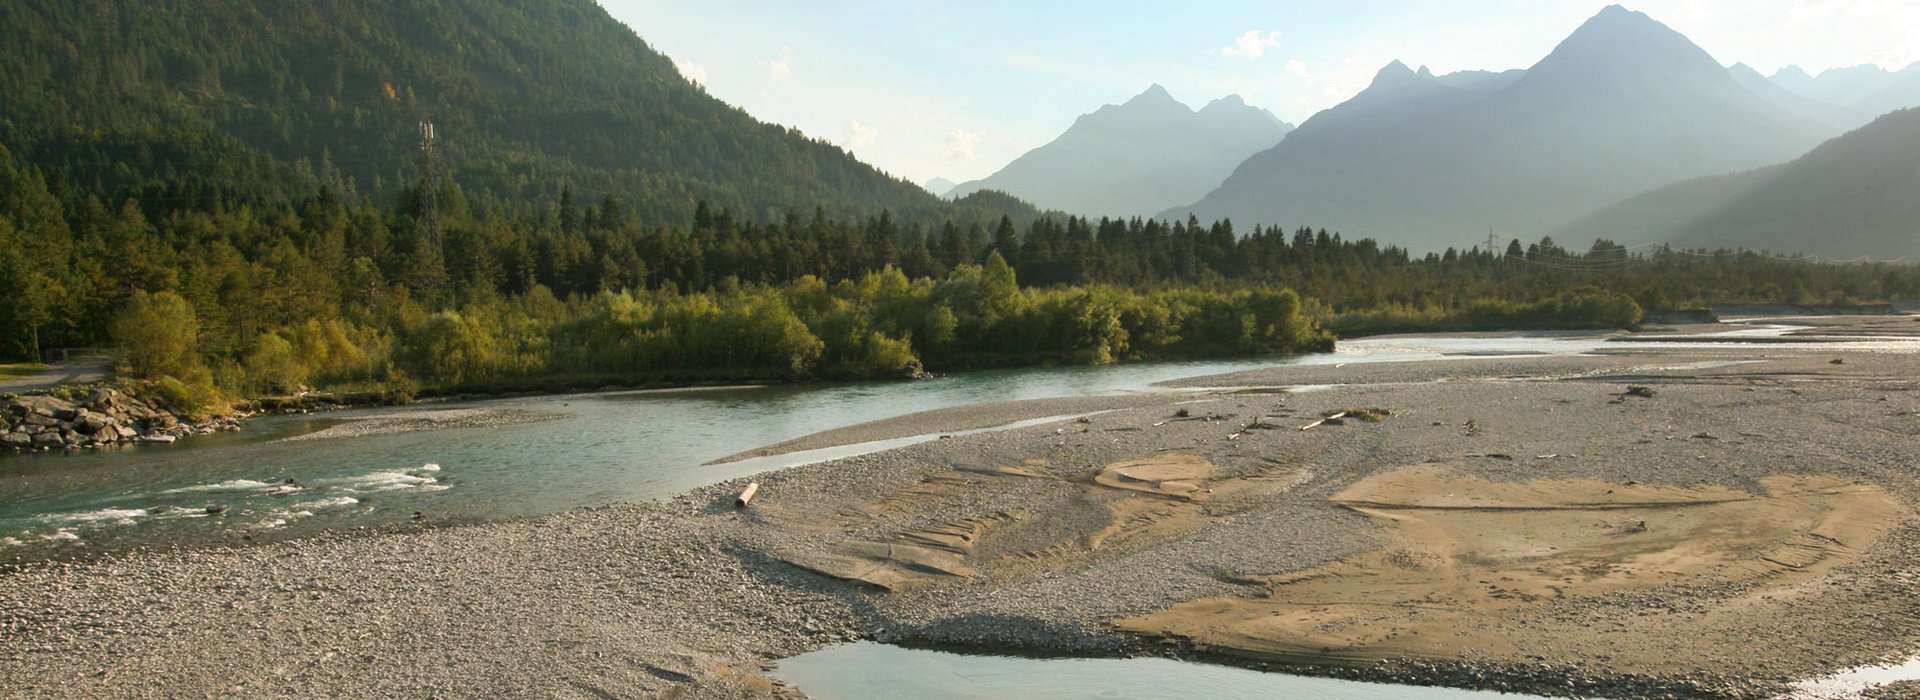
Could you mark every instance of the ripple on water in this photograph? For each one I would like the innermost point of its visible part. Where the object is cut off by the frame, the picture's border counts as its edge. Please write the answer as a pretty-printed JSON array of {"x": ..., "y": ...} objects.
[
  {"x": 232, "y": 485},
  {"x": 388, "y": 480}
]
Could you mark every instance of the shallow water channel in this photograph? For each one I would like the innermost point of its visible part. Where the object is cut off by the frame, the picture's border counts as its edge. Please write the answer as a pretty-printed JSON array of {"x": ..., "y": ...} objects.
[
  {"x": 870, "y": 671},
  {"x": 601, "y": 449},
  {"x": 604, "y": 448},
  {"x": 874, "y": 671}
]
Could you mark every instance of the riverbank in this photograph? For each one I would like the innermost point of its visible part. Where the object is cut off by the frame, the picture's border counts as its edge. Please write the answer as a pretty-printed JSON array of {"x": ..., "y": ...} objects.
[
  {"x": 1224, "y": 533},
  {"x": 103, "y": 418}
]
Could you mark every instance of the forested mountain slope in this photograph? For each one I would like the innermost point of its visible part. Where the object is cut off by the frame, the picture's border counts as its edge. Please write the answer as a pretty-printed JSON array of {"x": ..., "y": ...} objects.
[{"x": 192, "y": 100}]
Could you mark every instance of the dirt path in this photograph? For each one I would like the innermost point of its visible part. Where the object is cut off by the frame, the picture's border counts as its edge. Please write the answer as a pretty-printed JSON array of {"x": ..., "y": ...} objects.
[{"x": 81, "y": 371}]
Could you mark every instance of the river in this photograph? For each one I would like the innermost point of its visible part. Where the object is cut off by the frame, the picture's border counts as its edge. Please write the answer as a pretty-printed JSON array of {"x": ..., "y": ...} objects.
[
  {"x": 603, "y": 448},
  {"x": 635, "y": 446}
]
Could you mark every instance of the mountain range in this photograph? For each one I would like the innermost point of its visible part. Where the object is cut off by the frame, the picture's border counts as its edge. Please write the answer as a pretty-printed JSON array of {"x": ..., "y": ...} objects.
[
  {"x": 1857, "y": 195},
  {"x": 119, "y": 97},
  {"x": 1867, "y": 89},
  {"x": 528, "y": 98},
  {"x": 1623, "y": 105},
  {"x": 1137, "y": 158},
  {"x": 1845, "y": 98}
]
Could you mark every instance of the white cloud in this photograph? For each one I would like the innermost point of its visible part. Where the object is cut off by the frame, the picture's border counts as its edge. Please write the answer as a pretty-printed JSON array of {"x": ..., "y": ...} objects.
[
  {"x": 693, "y": 72},
  {"x": 860, "y": 135},
  {"x": 1299, "y": 68},
  {"x": 779, "y": 69},
  {"x": 1252, "y": 44},
  {"x": 961, "y": 144},
  {"x": 1899, "y": 57}
]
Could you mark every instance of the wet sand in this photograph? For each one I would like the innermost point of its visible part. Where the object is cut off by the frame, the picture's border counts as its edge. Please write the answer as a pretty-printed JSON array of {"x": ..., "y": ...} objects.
[
  {"x": 954, "y": 419},
  {"x": 1508, "y": 522},
  {"x": 420, "y": 420}
]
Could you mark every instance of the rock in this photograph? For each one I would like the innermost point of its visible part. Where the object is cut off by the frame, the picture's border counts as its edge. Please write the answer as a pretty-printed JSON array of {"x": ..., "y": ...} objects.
[
  {"x": 126, "y": 432},
  {"x": 158, "y": 440},
  {"x": 47, "y": 439},
  {"x": 89, "y": 422},
  {"x": 16, "y": 441},
  {"x": 49, "y": 406},
  {"x": 38, "y": 420},
  {"x": 915, "y": 370},
  {"x": 102, "y": 399},
  {"x": 106, "y": 435}
]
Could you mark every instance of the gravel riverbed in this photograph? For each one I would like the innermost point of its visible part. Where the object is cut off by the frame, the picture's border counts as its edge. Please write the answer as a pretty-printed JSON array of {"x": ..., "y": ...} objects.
[{"x": 693, "y": 597}]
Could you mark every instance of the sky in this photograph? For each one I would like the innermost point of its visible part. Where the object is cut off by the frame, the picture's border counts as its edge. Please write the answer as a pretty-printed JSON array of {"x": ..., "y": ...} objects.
[{"x": 953, "y": 89}]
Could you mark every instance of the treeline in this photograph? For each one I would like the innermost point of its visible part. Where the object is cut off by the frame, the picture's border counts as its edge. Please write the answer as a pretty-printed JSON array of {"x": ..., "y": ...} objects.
[
  {"x": 337, "y": 291},
  {"x": 879, "y": 325},
  {"x": 332, "y": 293}
]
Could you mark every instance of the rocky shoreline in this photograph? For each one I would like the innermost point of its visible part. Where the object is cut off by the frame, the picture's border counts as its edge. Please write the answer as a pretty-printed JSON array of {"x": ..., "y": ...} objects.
[
  {"x": 105, "y": 417},
  {"x": 1062, "y": 538}
]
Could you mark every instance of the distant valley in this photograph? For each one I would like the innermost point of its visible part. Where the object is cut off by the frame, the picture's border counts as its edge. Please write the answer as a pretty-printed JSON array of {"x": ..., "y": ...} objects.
[{"x": 1134, "y": 159}]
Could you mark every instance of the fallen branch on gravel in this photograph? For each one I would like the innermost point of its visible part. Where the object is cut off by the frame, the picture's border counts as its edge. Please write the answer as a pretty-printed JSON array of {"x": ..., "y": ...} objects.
[{"x": 1336, "y": 416}]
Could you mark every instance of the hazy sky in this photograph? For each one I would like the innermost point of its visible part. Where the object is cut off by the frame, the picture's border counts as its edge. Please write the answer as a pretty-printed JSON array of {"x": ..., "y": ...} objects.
[{"x": 957, "y": 89}]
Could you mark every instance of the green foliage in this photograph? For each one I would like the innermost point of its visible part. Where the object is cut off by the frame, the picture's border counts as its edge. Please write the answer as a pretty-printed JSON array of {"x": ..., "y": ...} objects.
[
  {"x": 158, "y": 336},
  {"x": 192, "y": 395},
  {"x": 452, "y": 350},
  {"x": 1585, "y": 307},
  {"x": 274, "y": 368},
  {"x": 21, "y": 369}
]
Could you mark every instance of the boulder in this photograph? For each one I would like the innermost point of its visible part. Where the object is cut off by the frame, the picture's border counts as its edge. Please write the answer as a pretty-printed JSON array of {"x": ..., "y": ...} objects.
[
  {"x": 39, "y": 420},
  {"x": 126, "y": 432},
  {"x": 89, "y": 422},
  {"x": 915, "y": 370},
  {"x": 102, "y": 399},
  {"x": 47, "y": 439},
  {"x": 158, "y": 439},
  {"x": 47, "y": 406},
  {"x": 15, "y": 441},
  {"x": 106, "y": 435}
]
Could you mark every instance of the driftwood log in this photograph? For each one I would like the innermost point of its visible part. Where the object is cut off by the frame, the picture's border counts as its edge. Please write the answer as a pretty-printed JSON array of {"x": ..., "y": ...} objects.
[
  {"x": 1317, "y": 423},
  {"x": 746, "y": 495}
]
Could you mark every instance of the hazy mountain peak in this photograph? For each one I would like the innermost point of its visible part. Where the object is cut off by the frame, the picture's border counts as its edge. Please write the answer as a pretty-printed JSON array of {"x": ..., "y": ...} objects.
[
  {"x": 1154, "y": 93},
  {"x": 1397, "y": 75},
  {"x": 1230, "y": 110},
  {"x": 1136, "y": 158},
  {"x": 1393, "y": 71},
  {"x": 1775, "y": 92},
  {"x": 1226, "y": 102},
  {"x": 1623, "y": 104},
  {"x": 1621, "y": 42},
  {"x": 1868, "y": 89}
]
